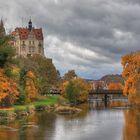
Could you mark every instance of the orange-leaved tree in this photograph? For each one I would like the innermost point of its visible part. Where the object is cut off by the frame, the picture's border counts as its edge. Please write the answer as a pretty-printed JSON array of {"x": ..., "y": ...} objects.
[
  {"x": 131, "y": 73},
  {"x": 32, "y": 92},
  {"x": 115, "y": 86},
  {"x": 8, "y": 90}
]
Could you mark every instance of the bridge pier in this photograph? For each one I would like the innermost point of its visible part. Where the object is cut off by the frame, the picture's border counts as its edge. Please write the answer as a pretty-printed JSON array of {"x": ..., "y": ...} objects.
[{"x": 105, "y": 99}]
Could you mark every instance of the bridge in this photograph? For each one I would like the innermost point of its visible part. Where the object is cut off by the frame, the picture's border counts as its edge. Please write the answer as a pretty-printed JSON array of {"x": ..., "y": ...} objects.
[{"x": 106, "y": 94}]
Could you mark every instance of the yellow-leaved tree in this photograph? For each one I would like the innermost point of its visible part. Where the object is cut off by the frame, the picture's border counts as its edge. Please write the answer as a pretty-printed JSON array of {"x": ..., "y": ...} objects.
[
  {"x": 32, "y": 92},
  {"x": 131, "y": 73}
]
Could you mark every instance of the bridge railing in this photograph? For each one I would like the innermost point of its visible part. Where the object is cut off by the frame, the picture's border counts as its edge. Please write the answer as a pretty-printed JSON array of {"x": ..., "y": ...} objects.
[{"x": 101, "y": 91}]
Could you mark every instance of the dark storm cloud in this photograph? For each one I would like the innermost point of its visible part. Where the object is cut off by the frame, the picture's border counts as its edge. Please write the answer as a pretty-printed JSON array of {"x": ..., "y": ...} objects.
[{"x": 87, "y": 35}]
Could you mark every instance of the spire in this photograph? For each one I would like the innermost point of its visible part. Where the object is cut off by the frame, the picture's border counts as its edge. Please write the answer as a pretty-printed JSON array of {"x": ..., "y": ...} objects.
[
  {"x": 30, "y": 24},
  {"x": 2, "y": 29}
]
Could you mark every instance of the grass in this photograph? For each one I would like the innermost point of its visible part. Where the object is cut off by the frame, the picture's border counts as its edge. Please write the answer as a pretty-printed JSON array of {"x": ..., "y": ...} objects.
[
  {"x": 3, "y": 113},
  {"x": 20, "y": 107},
  {"x": 47, "y": 101},
  {"x": 41, "y": 102}
]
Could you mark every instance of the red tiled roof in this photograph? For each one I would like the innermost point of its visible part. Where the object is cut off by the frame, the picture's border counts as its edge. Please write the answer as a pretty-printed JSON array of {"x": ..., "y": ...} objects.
[
  {"x": 13, "y": 33},
  {"x": 38, "y": 33},
  {"x": 24, "y": 32}
]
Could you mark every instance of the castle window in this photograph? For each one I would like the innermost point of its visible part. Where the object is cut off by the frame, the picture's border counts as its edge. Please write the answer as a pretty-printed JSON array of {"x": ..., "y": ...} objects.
[
  {"x": 39, "y": 44},
  {"x": 29, "y": 42},
  {"x": 39, "y": 49},
  {"x": 23, "y": 48},
  {"x": 30, "y": 49},
  {"x": 33, "y": 42},
  {"x": 23, "y": 42},
  {"x": 33, "y": 49}
]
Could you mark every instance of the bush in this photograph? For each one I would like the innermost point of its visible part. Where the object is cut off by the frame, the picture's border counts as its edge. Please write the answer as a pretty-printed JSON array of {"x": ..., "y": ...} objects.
[
  {"x": 6, "y": 53},
  {"x": 8, "y": 72},
  {"x": 3, "y": 113},
  {"x": 22, "y": 96}
]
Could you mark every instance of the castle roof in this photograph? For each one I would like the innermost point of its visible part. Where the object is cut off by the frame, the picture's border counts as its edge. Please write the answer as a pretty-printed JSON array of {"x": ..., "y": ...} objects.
[{"x": 25, "y": 32}]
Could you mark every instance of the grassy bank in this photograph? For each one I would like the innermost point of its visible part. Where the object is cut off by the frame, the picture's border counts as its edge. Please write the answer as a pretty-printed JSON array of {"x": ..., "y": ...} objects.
[
  {"x": 44, "y": 101},
  {"x": 55, "y": 104}
]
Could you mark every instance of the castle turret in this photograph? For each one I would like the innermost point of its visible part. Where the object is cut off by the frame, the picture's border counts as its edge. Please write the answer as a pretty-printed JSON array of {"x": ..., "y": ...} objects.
[{"x": 30, "y": 25}]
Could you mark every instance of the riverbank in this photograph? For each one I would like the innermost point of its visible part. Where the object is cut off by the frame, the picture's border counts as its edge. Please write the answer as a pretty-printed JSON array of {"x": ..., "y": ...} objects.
[{"x": 56, "y": 104}]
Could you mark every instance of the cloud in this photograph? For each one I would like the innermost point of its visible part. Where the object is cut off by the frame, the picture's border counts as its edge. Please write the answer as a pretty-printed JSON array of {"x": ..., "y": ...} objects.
[{"x": 89, "y": 36}]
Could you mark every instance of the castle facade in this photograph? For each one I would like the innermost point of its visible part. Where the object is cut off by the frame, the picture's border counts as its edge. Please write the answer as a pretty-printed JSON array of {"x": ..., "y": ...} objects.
[{"x": 28, "y": 41}]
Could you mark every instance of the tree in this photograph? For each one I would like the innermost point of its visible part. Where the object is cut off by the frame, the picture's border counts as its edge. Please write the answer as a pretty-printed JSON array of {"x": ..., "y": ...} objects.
[
  {"x": 71, "y": 92},
  {"x": 131, "y": 73},
  {"x": 44, "y": 71},
  {"x": 8, "y": 90},
  {"x": 76, "y": 90},
  {"x": 69, "y": 75},
  {"x": 58, "y": 75},
  {"x": 115, "y": 86},
  {"x": 32, "y": 92},
  {"x": 6, "y": 51}
]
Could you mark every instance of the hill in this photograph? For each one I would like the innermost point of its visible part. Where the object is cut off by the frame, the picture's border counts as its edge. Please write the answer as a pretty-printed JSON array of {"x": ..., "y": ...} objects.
[{"x": 113, "y": 78}]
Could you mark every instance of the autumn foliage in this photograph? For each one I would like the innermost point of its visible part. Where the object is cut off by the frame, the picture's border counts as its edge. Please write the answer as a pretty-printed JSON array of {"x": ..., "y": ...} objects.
[
  {"x": 115, "y": 86},
  {"x": 75, "y": 90},
  {"x": 131, "y": 73},
  {"x": 32, "y": 92},
  {"x": 8, "y": 90}
]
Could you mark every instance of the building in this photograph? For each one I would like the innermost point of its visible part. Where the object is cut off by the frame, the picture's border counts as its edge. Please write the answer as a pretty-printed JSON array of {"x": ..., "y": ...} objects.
[
  {"x": 98, "y": 85},
  {"x": 28, "y": 41}
]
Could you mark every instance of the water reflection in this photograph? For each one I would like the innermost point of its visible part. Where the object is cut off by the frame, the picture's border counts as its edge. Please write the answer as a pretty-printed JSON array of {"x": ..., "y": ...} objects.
[
  {"x": 132, "y": 124},
  {"x": 92, "y": 123}
]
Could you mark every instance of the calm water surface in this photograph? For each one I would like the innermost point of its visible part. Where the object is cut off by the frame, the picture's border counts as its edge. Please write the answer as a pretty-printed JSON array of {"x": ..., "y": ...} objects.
[{"x": 91, "y": 124}]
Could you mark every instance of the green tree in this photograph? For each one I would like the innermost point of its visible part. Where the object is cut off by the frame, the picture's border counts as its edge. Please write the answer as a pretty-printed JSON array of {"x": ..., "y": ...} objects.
[
  {"x": 76, "y": 90},
  {"x": 6, "y": 51},
  {"x": 58, "y": 75},
  {"x": 22, "y": 87},
  {"x": 72, "y": 92},
  {"x": 69, "y": 75}
]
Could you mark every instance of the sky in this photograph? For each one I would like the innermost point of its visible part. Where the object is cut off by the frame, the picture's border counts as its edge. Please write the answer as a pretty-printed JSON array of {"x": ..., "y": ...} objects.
[{"x": 89, "y": 36}]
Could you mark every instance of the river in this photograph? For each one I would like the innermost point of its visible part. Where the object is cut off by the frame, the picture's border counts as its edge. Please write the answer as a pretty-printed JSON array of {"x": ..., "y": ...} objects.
[{"x": 92, "y": 123}]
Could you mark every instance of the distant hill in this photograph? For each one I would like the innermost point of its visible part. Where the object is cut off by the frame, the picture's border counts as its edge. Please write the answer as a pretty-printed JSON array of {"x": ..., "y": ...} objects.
[{"x": 113, "y": 78}]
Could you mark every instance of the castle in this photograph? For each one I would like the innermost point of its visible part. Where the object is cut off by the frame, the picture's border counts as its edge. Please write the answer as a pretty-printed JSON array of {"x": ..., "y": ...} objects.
[{"x": 28, "y": 41}]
